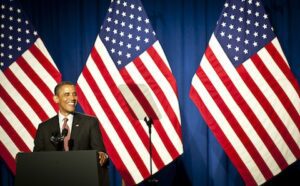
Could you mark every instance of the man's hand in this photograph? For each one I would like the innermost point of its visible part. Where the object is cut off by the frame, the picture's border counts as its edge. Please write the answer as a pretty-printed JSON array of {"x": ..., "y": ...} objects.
[{"x": 103, "y": 157}]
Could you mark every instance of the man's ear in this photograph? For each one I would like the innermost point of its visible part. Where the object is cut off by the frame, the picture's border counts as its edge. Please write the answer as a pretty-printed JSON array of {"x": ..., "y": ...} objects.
[{"x": 55, "y": 99}]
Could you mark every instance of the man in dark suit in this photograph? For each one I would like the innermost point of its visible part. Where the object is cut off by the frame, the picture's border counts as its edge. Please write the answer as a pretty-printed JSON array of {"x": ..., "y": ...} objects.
[{"x": 83, "y": 131}]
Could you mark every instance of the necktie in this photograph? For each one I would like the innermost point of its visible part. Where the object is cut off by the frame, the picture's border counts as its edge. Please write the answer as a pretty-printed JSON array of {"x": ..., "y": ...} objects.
[{"x": 67, "y": 138}]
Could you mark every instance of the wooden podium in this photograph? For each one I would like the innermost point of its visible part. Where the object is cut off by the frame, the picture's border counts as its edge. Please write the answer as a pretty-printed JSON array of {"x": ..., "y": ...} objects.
[{"x": 75, "y": 168}]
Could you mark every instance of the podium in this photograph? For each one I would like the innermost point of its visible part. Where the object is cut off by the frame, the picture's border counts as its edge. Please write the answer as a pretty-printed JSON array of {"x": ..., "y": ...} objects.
[{"x": 58, "y": 168}]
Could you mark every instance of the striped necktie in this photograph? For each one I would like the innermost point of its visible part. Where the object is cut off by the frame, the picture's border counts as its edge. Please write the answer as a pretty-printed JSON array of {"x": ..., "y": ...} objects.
[{"x": 67, "y": 138}]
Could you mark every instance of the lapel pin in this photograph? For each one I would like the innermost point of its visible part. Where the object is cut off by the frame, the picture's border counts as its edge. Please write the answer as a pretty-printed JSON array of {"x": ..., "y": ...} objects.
[{"x": 77, "y": 125}]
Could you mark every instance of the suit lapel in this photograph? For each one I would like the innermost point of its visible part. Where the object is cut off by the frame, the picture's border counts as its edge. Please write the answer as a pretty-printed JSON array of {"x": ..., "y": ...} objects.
[
  {"x": 55, "y": 125},
  {"x": 75, "y": 126}
]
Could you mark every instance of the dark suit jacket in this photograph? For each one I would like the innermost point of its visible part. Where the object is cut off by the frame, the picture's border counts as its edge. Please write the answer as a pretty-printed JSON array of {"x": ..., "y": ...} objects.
[{"x": 85, "y": 135}]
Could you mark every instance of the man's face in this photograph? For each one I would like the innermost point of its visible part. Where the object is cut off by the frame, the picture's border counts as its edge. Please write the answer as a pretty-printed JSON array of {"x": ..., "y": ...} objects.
[{"x": 66, "y": 99}]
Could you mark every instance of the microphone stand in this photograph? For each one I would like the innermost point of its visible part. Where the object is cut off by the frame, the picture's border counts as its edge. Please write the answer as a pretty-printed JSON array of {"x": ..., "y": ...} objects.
[{"x": 151, "y": 181}]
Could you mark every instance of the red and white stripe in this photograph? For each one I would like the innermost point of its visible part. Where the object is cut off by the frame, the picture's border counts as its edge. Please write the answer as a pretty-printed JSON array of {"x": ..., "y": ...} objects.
[
  {"x": 253, "y": 110},
  {"x": 125, "y": 133},
  {"x": 26, "y": 88}
]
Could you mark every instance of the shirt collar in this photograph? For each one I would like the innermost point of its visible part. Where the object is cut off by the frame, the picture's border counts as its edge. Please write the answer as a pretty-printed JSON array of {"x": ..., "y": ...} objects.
[{"x": 69, "y": 122}]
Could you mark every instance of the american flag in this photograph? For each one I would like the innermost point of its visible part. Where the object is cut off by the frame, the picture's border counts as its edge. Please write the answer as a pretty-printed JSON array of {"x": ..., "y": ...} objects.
[
  {"x": 27, "y": 78},
  {"x": 247, "y": 94},
  {"x": 127, "y": 77}
]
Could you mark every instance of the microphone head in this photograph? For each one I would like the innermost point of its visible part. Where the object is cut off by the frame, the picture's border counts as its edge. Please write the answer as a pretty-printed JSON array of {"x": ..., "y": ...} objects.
[
  {"x": 64, "y": 132},
  {"x": 53, "y": 138},
  {"x": 148, "y": 120}
]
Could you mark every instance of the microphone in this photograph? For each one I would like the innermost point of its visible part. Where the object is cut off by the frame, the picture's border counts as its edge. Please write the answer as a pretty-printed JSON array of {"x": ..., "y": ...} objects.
[
  {"x": 148, "y": 121},
  {"x": 64, "y": 133},
  {"x": 56, "y": 138}
]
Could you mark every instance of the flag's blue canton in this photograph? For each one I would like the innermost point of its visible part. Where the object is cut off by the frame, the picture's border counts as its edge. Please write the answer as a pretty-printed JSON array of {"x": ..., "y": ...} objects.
[
  {"x": 16, "y": 32},
  {"x": 126, "y": 31},
  {"x": 243, "y": 29}
]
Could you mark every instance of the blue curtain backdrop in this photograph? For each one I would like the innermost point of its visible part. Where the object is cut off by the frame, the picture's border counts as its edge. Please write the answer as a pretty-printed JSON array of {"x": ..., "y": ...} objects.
[{"x": 69, "y": 28}]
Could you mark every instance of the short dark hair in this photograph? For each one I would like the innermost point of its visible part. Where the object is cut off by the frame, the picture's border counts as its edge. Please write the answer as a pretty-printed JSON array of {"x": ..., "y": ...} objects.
[{"x": 59, "y": 85}]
